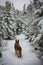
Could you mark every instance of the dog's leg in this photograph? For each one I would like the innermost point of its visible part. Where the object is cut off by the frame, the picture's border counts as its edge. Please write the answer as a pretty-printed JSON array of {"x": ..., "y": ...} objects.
[{"x": 20, "y": 54}]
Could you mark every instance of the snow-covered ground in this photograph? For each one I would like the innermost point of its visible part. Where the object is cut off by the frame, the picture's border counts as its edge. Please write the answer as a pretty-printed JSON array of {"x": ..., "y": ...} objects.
[{"x": 28, "y": 57}]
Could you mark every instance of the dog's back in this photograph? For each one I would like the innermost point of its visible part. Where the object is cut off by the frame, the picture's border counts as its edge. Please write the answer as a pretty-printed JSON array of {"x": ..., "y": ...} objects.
[{"x": 17, "y": 49}]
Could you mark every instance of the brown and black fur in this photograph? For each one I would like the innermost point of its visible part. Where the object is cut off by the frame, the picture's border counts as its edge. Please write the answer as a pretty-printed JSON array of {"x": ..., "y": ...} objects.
[{"x": 18, "y": 49}]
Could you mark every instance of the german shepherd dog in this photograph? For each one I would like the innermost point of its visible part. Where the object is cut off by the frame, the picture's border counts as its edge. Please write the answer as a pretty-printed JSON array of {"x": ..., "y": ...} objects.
[{"x": 17, "y": 48}]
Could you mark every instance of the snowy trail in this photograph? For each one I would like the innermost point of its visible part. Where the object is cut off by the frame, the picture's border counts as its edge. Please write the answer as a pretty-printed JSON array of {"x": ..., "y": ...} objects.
[{"x": 28, "y": 57}]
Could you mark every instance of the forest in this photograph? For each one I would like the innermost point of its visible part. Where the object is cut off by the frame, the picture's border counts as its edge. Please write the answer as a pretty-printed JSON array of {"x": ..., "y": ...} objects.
[{"x": 25, "y": 25}]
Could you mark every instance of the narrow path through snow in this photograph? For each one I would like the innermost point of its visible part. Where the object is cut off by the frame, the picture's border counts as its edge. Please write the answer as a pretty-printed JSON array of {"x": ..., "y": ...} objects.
[{"x": 28, "y": 57}]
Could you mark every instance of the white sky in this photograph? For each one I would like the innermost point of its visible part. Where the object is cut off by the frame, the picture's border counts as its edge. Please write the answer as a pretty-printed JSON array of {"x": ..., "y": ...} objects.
[{"x": 18, "y": 4}]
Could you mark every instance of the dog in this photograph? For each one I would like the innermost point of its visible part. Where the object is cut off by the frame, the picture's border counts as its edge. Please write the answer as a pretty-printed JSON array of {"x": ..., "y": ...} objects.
[{"x": 18, "y": 49}]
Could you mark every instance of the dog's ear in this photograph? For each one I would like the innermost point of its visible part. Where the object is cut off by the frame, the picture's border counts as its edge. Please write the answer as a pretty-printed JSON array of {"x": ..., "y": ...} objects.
[
  {"x": 15, "y": 40},
  {"x": 18, "y": 40}
]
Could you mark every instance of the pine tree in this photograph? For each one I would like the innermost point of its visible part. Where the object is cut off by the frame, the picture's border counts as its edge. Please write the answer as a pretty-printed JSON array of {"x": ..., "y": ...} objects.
[
  {"x": 8, "y": 20},
  {"x": 19, "y": 27},
  {"x": 37, "y": 4}
]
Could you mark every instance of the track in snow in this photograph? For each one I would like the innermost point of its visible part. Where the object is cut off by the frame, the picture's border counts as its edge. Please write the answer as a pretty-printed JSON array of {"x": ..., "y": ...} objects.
[{"x": 28, "y": 57}]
